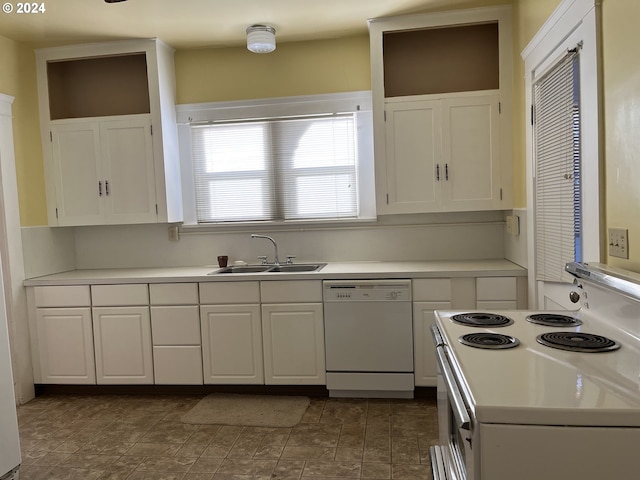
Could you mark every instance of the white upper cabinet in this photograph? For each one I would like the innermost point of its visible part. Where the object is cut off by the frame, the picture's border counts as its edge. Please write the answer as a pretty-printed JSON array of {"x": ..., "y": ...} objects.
[
  {"x": 442, "y": 111},
  {"x": 107, "y": 114}
]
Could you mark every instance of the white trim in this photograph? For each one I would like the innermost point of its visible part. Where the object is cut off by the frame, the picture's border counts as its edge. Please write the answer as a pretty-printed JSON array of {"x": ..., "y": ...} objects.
[
  {"x": 572, "y": 22},
  {"x": 11, "y": 256}
]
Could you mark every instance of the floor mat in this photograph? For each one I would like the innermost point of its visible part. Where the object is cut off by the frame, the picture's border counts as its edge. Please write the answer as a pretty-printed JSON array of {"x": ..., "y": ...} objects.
[{"x": 248, "y": 410}]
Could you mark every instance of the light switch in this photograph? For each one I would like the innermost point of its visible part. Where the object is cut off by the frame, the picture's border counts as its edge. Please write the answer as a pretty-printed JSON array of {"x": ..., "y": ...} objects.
[
  {"x": 619, "y": 242},
  {"x": 513, "y": 225}
]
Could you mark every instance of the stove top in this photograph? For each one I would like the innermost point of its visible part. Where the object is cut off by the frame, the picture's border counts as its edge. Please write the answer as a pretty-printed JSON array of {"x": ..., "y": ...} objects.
[
  {"x": 482, "y": 319},
  {"x": 578, "y": 342},
  {"x": 553, "y": 320},
  {"x": 491, "y": 341}
]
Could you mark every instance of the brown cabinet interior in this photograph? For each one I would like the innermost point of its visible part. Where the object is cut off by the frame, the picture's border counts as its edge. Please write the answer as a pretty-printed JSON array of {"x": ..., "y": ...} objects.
[
  {"x": 100, "y": 86},
  {"x": 441, "y": 60}
]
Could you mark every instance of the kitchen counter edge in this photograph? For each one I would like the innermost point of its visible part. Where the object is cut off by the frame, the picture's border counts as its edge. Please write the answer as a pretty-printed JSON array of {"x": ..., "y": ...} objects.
[{"x": 333, "y": 271}]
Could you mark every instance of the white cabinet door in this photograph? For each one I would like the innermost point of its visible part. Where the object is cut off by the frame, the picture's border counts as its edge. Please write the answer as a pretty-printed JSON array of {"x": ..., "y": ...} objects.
[
  {"x": 413, "y": 150},
  {"x": 65, "y": 344},
  {"x": 77, "y": 171},
  {"x": 293, "y": 336},
  {"x": 122, "y": 337},
  {"x": 104, "y": 171},
  {"x": 424, "y": 348},
  {"x": 129, "y": 182},
  {"x": 231, "y": 344},
  {"x": 470, "y": 166}
]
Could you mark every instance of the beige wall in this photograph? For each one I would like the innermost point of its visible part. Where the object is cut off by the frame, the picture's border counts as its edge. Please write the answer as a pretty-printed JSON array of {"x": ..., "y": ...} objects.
[
  {"x": 299, "y": 68},
  {"x": 622, "y": 122},
  {"x": 528, "y": 17},
  {"x": 18, "y": 79}
]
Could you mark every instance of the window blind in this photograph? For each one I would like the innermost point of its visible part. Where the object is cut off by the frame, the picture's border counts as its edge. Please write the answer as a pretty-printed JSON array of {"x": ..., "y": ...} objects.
[
  {"x": 558, "y": 218},
  {"x": 276, "y": 169}
]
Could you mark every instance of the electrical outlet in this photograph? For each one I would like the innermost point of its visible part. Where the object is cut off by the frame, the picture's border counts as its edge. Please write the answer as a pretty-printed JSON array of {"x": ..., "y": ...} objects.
[
  {"x": 174, "y": 233},
  {"x": 619, "y": 242},
  {"x": 513, "y": 225}
]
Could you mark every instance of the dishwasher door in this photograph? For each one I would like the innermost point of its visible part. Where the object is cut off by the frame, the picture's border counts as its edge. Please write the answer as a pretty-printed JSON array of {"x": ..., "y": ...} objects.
[{"x": 363, "y": 336}]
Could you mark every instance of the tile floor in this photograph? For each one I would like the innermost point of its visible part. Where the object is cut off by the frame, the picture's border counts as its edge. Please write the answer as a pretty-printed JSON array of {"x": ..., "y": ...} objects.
[{"x": 142, "y": 438}]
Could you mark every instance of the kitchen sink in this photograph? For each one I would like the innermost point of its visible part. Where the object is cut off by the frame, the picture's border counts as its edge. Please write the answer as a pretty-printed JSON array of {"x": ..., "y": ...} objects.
[
  {"x": 242, "y": 269},
  {"x": 298, "y": 268},
  {"x": 302, "y": 267}
]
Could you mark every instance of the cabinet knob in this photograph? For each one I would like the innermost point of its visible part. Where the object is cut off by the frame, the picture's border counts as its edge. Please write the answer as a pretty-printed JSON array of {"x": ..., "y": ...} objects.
[{"x": 99, "y": 188}]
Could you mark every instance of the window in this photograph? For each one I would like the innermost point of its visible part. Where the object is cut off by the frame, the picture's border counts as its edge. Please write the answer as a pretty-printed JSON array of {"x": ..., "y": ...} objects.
[
  {"x": 558, "y": 213},
  {"x": 288, "y": 160}
]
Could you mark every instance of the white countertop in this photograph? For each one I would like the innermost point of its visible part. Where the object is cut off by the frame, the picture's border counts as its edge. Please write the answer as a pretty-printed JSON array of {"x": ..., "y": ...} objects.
[{"x": 333, "y": 270}]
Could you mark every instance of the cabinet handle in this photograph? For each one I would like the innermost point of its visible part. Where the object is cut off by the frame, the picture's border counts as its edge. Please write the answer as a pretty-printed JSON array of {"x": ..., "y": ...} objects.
[
  {"x": 106, "y": 186},
  {"x": 99, "y": 188},
  {"x": 446, "y": 172},
  {"x": 438, "y": 172}
]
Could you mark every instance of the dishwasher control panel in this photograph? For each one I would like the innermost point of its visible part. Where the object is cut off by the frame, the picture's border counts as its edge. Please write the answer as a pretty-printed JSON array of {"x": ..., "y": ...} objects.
[{"x": 367, "y": 290}]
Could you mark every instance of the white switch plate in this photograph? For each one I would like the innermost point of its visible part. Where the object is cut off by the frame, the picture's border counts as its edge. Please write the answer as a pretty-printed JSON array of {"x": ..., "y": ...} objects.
[
  {"x": 619, "y": 242},
  {"x": 513, "y": 225}
]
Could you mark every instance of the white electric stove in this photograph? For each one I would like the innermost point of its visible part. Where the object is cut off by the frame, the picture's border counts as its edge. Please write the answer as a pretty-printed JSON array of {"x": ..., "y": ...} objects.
[{"x": 559, "y": 400}]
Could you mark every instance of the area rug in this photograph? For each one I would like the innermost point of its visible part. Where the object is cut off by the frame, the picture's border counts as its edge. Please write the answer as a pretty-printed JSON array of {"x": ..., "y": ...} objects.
[{"x": 248, "y": 410}]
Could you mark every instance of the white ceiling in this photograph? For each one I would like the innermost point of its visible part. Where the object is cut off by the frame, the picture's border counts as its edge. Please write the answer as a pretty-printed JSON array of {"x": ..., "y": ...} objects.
[{"x": 203, "y": 23}]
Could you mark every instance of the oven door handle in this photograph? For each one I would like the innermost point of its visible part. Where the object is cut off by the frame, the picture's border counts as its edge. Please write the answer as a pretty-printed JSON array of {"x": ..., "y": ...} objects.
[{"x": 459, "y": 408}]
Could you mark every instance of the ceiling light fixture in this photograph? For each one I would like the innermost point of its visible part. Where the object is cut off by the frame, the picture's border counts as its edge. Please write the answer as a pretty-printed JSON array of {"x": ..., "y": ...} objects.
[{"x": 261, "y": 38}]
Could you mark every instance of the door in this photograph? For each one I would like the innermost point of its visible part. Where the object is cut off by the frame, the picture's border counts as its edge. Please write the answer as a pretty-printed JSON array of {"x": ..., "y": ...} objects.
[
  {"x": 471, "y": 153},
  {"x": 65, "y": 341},
  {"x": 122, "y": 337},
  {"x": 413, "y": 146},
  {"x": 78, "y": 176},
  {"x": 293, "y": 339},
  {"x": 231, "y": 344},
  {"x": 129, "y": 179}
]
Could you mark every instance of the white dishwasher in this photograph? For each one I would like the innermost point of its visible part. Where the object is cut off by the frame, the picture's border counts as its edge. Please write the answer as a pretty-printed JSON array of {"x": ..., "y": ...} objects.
[{"x": 368, "y": 334}]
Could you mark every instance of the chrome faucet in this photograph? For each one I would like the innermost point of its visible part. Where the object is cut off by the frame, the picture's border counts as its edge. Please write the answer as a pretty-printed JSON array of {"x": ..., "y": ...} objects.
[{"x": 275, "y": 245}]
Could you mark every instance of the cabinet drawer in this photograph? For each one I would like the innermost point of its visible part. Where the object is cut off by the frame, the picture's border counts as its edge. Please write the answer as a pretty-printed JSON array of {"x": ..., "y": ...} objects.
[
  {"x": 177, "y": 365},
  {"x": 63, "y": 296},
  {"x": 431, "y": 289},
  {"x": 496, "y": 288},
  {"x": 173, "y": 293},
  {"x": 175, "y": 325},
  {"x": 291, "y": 291},
  {"x": 229, "y": 292},
  {"x": 119, "y": 295}
]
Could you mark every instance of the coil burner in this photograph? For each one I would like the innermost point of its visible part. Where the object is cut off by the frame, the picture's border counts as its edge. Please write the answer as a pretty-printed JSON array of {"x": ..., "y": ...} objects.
[
  {"x": 553, "y": 320},
  {"x": 491, "y": 341},
  {"x": 577, "y": 342},
  {"x": 481, "y": 319}
]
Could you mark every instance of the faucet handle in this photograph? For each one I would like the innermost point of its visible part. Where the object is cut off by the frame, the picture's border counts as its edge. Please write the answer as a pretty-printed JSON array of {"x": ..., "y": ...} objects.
[
  {"x": 263, "y": 258},
  {"x": 290, "y": 259}
]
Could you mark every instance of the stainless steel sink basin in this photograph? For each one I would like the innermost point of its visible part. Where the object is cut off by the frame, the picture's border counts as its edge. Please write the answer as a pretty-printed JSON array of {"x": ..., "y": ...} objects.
[
  {"x": 242, "y": 269},
  {"x": 301, "y": 267},
  {"x": 298, "y": 268}
]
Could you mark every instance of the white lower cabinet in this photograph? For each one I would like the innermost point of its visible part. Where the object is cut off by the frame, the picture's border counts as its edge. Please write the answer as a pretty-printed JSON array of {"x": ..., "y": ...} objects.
[
  {"x": 426, "y": 368},
  {"x": 429, "y": 294},
  {"x": 122, "y": 337},
  {"x": 65, "y": 345},
  {"x": 231, "y": 344},
  {"x": 496, "y": 293},
  {"x": 293, "y": 339}
]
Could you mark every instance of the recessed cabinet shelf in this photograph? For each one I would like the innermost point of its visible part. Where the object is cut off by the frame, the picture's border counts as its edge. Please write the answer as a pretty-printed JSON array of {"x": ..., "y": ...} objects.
[
  {"x": 441, "y": 60},
  {"x": 97, "y": 87}
]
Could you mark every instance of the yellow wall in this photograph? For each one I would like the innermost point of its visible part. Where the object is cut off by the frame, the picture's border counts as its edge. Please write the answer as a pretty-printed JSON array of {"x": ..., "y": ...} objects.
[
  {"x": 18, "y": 79},
  {"x": 299, "y": 68},
  {"x": 622, "y": 122},
  {"x": 528, "y": 17}
]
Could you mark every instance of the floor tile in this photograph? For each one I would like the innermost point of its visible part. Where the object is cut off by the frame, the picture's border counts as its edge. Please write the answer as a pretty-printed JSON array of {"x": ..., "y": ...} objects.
[{"x": 141, "y": 437}]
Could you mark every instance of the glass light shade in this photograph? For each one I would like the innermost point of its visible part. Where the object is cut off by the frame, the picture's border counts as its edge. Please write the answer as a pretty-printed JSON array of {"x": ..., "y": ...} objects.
[{"x": 261, "y": 38}]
